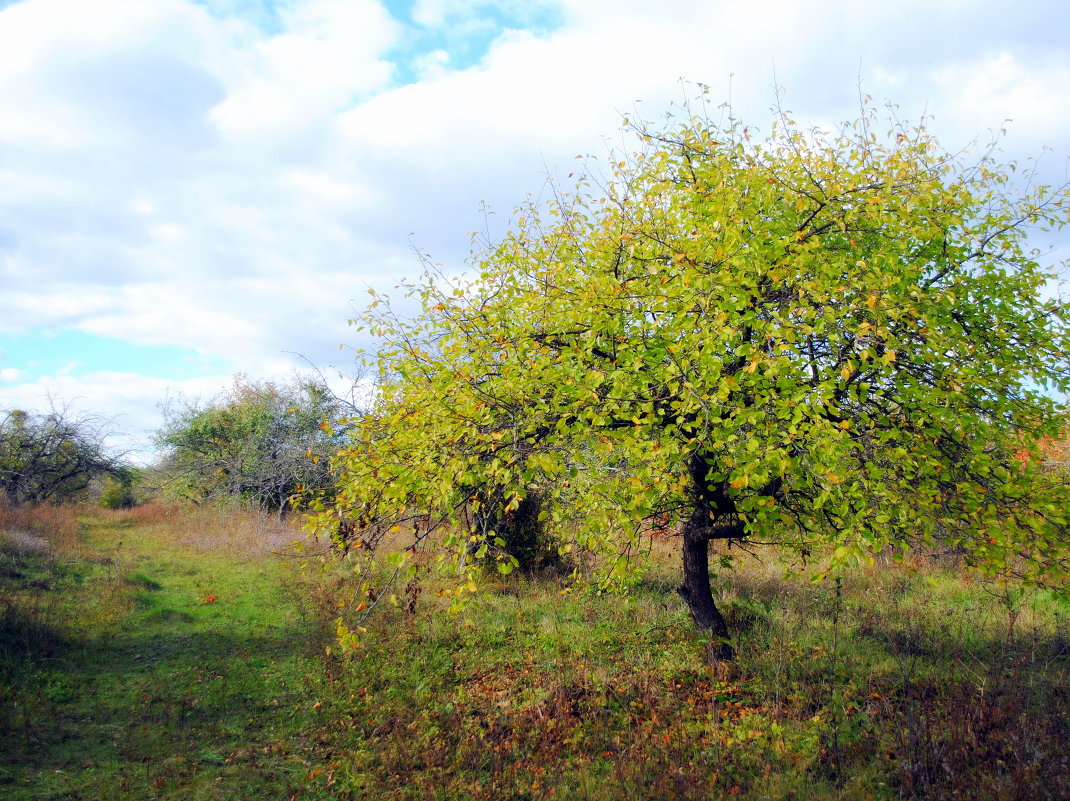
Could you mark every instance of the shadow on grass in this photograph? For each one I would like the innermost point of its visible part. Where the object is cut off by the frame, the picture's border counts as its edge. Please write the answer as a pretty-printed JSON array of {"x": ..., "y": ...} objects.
[
  {"x": 173, "y": 704},
  {"x": 25, "y": 637}
]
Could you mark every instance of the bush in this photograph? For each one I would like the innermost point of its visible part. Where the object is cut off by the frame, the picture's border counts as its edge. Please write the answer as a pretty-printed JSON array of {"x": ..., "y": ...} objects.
[{"x": 118, "y": 491}]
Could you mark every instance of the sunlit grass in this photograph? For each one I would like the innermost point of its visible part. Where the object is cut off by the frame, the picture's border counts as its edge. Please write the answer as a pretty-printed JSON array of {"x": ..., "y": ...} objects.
[
  {"x": 171, "y": 663},
  {"x": 167, "y": 653}
]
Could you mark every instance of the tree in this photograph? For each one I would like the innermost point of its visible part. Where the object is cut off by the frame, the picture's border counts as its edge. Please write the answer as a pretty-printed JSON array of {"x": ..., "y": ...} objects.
[
  {"x": 52, "y": 456},
  {"x": 119, "y": 490},
  {"x": 834, "y": 341},
  {"x": 266, "y": 443}
]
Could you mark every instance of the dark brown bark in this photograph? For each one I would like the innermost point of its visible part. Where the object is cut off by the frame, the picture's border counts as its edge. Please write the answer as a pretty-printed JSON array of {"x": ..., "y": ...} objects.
[
  {"x": 712, "y": 517},
  {"x": 698, "y": 595}
]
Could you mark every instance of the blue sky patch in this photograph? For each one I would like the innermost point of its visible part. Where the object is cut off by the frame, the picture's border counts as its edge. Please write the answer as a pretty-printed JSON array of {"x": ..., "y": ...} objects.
[
  {"x": 76, "y": 353},
  {"x": 261, "y": 13},
  {"x": 466, "y": 38},
  {"x": 466, "y": 32}
]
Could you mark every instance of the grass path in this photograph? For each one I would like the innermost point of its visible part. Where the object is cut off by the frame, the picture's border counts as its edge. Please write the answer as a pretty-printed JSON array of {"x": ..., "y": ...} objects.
[{"x": 155, "y": 667}]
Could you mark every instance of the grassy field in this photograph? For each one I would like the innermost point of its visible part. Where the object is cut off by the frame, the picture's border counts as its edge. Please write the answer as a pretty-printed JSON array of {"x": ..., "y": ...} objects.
[
  {"x": 163, "y": 653},
  {"x": 151, "y": 655}
]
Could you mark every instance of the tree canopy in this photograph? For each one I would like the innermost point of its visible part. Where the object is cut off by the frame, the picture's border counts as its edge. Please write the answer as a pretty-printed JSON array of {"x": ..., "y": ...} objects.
[{"x": 840, "y": 341}]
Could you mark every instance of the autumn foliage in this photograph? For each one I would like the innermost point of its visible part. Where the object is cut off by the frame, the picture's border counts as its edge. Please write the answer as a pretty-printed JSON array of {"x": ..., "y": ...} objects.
[{"x": 835, "y": 341}]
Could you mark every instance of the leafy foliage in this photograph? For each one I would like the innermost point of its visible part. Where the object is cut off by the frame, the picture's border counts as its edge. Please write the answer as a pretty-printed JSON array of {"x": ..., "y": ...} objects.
[
  {"x": 121, "y": 489},
  {"x": 835, "y": 341},
  {"x": 52, "y": 456},
  {"x": 264, "y": 443}
]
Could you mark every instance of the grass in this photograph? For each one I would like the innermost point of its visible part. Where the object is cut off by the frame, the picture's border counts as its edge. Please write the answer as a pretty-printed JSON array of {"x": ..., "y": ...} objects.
[
  {"x": 889, "y": 685},
  {"x": 124, "y": 679}
]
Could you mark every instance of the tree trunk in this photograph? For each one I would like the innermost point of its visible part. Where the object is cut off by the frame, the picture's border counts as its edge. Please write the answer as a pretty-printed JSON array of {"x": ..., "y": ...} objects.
[
  {"x": 698, "y": 595},
  {"x": 712, "y": 517}
]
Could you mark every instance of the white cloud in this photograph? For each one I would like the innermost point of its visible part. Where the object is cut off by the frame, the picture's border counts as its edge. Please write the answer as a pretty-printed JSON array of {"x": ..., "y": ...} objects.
[
  {"x": 131, "y": 402},
  {"x": 10, "y": 374},
  {"x": 76, "y": 76},
  {"x": 330, "y": 52},
  {"x": 983, "y": 93},
  {"x": 176, "y": 175},
  {"x": 432, "y": 66}
]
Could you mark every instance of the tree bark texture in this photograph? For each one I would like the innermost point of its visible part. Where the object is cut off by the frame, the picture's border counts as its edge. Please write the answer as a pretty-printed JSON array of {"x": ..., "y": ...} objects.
[
  {"x": 698, "y": 595},
  {"x": 709, "y": 508}
]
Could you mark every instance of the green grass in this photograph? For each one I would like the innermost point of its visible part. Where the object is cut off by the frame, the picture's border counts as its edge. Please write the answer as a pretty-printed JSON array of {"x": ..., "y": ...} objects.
[
  {"x": 142, "y": 689},
  {"x": 123, "y": 681}
]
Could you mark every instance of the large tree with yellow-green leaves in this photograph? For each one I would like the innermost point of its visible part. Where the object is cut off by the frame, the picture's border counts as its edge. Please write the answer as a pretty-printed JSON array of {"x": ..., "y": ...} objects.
[{"x": 839, "y": 341}]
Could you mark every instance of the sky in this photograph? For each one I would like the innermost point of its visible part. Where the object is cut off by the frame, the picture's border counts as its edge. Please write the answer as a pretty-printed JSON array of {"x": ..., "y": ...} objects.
[{"x": 191, "y": 189}]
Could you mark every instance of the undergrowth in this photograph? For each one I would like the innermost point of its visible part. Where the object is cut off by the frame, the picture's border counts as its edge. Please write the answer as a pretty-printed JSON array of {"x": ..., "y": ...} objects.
[
  {"x": 166, "y": 653},
  {"x": 898, "y": 682}
]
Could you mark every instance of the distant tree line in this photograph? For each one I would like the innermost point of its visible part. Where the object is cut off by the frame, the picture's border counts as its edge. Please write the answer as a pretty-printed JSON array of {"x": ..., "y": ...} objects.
[{"x": 265, "y": 443}]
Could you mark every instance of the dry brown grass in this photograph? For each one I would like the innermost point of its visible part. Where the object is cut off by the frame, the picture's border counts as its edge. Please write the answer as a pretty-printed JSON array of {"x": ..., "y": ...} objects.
[
  {"x": 55, "y": 526},
  {"x": 237, "y": 532},
  {"x": 228, "y": 531}
]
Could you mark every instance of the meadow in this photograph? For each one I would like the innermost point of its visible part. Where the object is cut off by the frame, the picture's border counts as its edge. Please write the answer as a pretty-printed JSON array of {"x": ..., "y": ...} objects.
[{"x": 170, "y": 652}]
